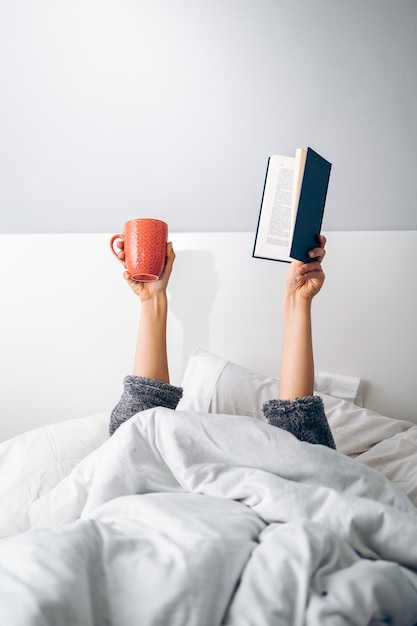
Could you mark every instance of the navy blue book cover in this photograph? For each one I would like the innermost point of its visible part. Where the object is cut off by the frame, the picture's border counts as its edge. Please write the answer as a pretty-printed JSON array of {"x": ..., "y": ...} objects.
[{"x": 310, "y": 206}]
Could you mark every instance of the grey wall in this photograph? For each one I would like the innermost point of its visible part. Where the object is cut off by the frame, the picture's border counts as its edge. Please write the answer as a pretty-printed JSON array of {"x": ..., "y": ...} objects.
[{"x": 112, "y": 109}]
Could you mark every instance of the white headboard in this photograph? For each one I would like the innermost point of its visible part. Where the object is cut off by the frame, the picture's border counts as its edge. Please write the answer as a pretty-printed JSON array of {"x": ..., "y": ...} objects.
[{"x": 68, "y": 322}]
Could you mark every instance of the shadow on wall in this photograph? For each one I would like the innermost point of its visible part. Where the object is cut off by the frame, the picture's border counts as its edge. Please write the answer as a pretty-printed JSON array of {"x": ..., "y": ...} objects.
[{"x": 192, "y": 312}]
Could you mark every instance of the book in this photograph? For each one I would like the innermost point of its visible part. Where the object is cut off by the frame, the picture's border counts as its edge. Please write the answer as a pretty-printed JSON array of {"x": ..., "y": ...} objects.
[{"x": 292, "y": 206}]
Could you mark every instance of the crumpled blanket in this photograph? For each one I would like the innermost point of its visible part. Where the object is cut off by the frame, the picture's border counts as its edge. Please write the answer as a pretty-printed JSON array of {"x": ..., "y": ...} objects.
[{"x": 184, "y": 518}]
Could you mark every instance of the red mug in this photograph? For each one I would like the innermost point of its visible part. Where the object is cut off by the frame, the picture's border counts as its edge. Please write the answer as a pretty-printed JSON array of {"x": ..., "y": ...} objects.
[{"x": 145, "y": 247}]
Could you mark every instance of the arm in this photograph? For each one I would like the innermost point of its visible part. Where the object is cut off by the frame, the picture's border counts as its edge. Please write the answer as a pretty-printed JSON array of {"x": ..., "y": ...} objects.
[
  {"x": 151, "y": 350},
  {"x": 297, "y": 366},
  {"x": 148, "y": 386},
  {"x": 151, "y": 359},
  {"x": 297, "y": 410},
  {"x": 304, "y": 281}
]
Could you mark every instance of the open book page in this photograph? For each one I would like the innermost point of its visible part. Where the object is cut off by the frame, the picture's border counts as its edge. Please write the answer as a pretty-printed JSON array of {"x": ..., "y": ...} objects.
[{"x": 274, "y": 227}]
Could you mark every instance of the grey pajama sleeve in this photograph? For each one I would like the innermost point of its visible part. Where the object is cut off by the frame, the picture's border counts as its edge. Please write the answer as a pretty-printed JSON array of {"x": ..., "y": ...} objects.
[
  {"x": 141, "y": 393},
  {"x": 303, "y": 417}
]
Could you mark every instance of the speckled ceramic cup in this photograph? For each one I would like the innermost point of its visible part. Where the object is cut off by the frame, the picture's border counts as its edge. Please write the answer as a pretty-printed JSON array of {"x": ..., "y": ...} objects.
[{"x": 145, "y": 248}]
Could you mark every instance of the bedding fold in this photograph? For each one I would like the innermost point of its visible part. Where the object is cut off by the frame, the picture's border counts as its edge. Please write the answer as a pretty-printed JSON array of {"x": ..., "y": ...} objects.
[{"x": 211, "y": 519}]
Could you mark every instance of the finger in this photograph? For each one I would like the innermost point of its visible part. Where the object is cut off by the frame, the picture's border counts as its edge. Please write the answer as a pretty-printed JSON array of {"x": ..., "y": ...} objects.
[
  {"x": 322, "y": 240},
  {"x": 317, "y": 275},
  {"x": 317, "y": 253},
  {"x": 120, "y": 243},
  {"x": 310, "y": 268},
  {"x": 170, "y": 256},
  {"x": 169, "y": 261}
]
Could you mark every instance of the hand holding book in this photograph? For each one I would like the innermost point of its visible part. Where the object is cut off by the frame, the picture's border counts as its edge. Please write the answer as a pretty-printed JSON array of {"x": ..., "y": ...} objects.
[
  {"x": 292, "y": 206},
  {"x": 304, "y": 280}
]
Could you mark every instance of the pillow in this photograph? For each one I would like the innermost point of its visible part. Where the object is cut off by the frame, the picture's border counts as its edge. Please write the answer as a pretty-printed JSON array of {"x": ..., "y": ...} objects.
[
  {"x": 34, "y": 462},
  {"x": 215, "y": 385}
]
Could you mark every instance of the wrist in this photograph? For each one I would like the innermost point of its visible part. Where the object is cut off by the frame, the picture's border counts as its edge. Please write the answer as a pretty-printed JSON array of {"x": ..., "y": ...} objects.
[
  {"x": 155, "y": 303},
  {"x": 154, "y": 298},
  {"x": 295, "y": 302}
]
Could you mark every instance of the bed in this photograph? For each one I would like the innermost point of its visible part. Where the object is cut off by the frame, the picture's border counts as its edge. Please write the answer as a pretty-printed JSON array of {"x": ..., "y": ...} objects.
[{"x": 206, "y": 515}]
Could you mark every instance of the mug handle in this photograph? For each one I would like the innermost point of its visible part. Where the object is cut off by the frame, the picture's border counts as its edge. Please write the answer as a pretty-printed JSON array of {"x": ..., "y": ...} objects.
[{"x": 112, "y": 240}]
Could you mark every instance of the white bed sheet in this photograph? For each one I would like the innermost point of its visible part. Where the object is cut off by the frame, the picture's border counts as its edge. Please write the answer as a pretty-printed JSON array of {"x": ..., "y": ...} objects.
[
  {"x": 196, "y": 519},
  {"x": 217, "y": 385}
]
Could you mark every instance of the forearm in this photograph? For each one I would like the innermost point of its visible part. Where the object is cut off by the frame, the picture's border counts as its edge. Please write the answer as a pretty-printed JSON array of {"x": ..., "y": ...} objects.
[
  {"x": 297, "y": 363},
  {"x": 151, "y": 359},
  {"x": 149, "y": 385}
]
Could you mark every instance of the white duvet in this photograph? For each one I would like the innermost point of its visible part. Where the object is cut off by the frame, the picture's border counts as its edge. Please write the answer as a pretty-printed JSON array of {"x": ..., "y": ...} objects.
[{"x": 189, "y": 519}]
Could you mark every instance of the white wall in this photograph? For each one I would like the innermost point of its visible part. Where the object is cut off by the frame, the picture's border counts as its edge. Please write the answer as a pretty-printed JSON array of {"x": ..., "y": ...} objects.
[
  {"x": 68, "y": 321},
  {"x": 112, "y": 109}
]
